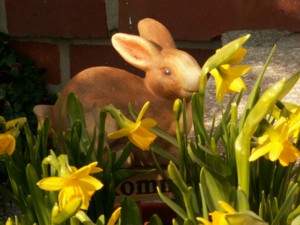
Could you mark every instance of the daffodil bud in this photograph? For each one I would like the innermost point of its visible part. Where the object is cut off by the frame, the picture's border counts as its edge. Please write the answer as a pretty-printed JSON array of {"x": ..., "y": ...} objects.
[
  {"x": 177, "y": 108},
  {"x": 9, "y": 221},
  {"x": 69, "y": 210},
  {"x": 55, "y": 210},
  {"x": 263, "y": 106},
  {"x": 290, "y": 83},
  {"x": 19, "y": 123}
]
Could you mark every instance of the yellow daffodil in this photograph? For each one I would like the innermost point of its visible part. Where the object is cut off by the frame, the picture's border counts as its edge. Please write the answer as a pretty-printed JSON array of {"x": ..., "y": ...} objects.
[
  {"x": 218, "y": 218},
  {"x": 228, "y": 78},
  {"x": 274, "y": 144},
  {"x": 77, "y": 184},
  {"x": 292, "y": 118},
  {"x": 7, "y": 144},
  {"x": 138, "y": 132}
]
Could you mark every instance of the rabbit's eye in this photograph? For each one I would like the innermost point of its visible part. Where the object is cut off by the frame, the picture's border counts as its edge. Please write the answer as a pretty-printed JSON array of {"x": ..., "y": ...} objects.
[{"x": 167, "y": 71}]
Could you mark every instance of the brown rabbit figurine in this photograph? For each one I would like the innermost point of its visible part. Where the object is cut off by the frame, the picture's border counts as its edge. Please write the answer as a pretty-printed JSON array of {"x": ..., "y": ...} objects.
[{"x": 169, "y": 74}]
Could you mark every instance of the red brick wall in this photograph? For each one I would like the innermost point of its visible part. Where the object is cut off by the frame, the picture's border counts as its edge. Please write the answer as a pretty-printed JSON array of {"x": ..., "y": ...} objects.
[{"x": 66, "y": 36}]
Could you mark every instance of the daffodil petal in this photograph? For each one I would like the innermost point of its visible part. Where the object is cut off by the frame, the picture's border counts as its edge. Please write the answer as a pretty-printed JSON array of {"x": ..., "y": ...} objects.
[
  {"x": 96, "y": 170},
  {"x": 84, "y": 171},
  {"x": 204, "y": 221},
  {"x": 276, "y": 149},
  {"x": 237, "y": 85},
  {"x": 237, "y": 71},
  {"x": 238, "y": 56},
  {"x": 143, "y": 111},
  {"x": 148, "y": 123},
  {"x": 90, "y": 184},
  {"x": 51, "y": 183},
  {"x": 221, "y": 89},
  {"x": 259, "y": 151},
  {"x": 120, "y": 133},
  {"x": 228, "y": 208}
]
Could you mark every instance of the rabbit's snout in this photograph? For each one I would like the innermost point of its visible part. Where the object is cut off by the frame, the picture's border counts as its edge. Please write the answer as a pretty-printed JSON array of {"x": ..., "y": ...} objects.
[{"x": 183, "y": 69}]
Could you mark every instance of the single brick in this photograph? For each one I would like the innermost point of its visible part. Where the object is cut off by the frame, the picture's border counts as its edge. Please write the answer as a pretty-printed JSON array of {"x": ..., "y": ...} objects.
[
  {"x": 56, "y": 18},
  {"x": 45, "y": 56},
  {"x": 85, "y": 56}
]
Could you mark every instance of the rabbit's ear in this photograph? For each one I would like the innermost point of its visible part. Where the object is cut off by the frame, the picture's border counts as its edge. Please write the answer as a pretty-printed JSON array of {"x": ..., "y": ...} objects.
[
  {"x": 154, "y": 31},
  {"x": 137, "y": 51}
]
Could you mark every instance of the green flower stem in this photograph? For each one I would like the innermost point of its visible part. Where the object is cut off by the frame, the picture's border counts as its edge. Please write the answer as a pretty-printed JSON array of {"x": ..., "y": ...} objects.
[
  {"x": 242, "y": 144},
  {"x": 177, "y": 109},
  {"x": 233, "y": 134},
  {"x": 117, "y": 115},
  {"x": 101, "y": 139},
  {"x": 255, "y": 92},
  {"x": 204, "y": 205},
  {"x": 187, "y": 198}
]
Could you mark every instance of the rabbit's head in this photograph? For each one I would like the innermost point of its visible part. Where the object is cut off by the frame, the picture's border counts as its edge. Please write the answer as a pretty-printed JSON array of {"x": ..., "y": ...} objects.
[{"x": 170, "y": 73}]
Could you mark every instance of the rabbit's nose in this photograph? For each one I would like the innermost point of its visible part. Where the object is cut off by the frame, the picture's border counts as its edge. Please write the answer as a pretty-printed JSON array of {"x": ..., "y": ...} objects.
[{"x": 192, "y": 77}]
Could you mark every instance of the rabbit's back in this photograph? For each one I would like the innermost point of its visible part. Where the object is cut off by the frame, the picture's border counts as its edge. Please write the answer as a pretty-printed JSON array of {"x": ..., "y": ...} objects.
[{"x": 97, "y": 87}]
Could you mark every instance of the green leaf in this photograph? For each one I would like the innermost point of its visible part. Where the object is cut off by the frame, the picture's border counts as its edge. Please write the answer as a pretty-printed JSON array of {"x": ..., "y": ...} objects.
[
  {"x": 287, "y": 204},
  {"x": 123, "y": 157},
  {"x": 176, "y": 178},
  {"x": 130, "y": 212},
  {"x": 176, "y": 208},
  {"x": 244, "y": 218},
  {"x": 255, "y": 92},
  {"x": 215, "y": 189},
  {"x": 100, "y": 220},
  {"x": 188, "y": 222},
  {"x": 75, "y": 112},
  {"x": 41, "y": 207},
  {"x": 155, "y": 220}
]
